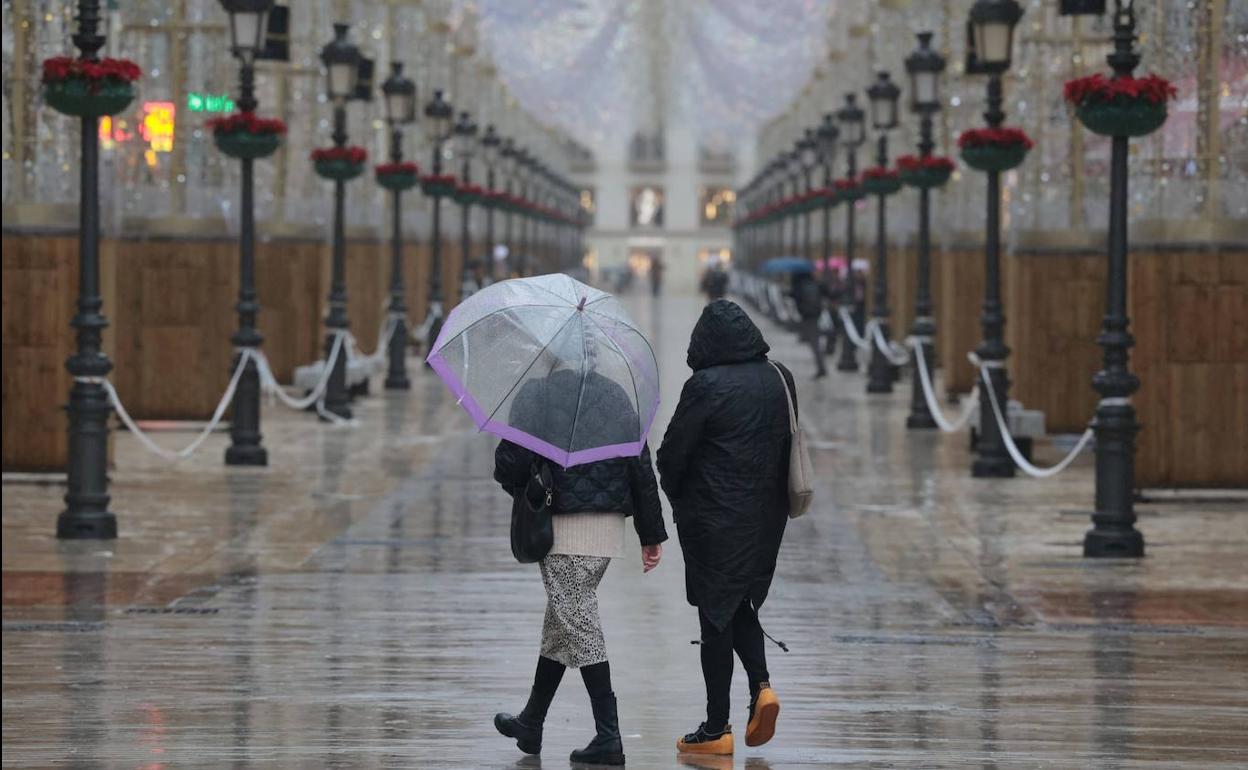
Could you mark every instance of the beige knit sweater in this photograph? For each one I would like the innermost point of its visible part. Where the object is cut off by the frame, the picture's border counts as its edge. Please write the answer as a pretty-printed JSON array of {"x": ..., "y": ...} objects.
[{"x": 589, "y": 534}]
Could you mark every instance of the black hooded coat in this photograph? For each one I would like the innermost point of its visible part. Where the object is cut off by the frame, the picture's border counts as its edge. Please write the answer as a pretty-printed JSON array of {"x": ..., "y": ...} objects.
[{"x": 724, "y": 464}]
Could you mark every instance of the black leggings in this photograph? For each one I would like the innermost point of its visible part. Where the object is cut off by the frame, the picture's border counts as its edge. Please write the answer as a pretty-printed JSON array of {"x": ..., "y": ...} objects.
[{"x": 745, "y": 636}]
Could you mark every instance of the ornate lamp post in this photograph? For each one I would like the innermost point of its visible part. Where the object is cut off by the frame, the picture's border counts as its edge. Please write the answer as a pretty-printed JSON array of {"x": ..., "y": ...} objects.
[
  {"x": 86, "y": 515},
  {"x": 247, "y": 27},
  {"x": 807, "y": 150},
  {"x": 793, "y": 164},
  {"x": 490, "y": 146},
  {"x": 520, "y": 171},
  {"x": 992, "y": 35},
  {"x": 506, "y": 165},
  {"x": 853, "y": 134},
  {"x": 883, "y": 94},
  {"x": 1113, "y": 532},
  {"x": 438, "y": 114},
  {"x": 827, "y": 136},
  {"x": 924, "y": 67},
  {"x": 465, "y": 144},
  {"x": 400, "y": 93},
  {"x": 342, "y": 63}
]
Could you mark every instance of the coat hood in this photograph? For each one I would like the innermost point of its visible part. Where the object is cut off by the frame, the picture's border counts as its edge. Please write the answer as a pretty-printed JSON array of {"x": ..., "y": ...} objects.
[{"x": 725, "y": 335}]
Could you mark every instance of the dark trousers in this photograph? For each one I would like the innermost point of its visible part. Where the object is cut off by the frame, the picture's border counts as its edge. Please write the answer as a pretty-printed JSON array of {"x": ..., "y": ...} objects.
[
  {"x": 810, "y": 335},
  {"x": 743, "y": 635}
]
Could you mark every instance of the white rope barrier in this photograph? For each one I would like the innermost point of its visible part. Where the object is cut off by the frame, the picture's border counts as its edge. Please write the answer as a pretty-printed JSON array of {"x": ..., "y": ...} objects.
[
  {"x": 851, "y": 331},
  {"x": 244, "y": 355},
  {"x": 421, "y": 333},
  {"x": 929, "y": 395},
  {"x": 896, "y": 354},
  {"x": 1012, "y": 448},
  {"x": 316, "y": 397}
]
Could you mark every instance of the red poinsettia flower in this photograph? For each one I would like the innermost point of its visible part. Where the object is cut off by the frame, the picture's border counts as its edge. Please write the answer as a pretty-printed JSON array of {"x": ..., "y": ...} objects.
[
  {"x": 438, "y": 179},
  {"x": 995, "y": 137},
  {"x": 385, "y": 169},
  {"x": 879, "y": 172},
  {"x": 245, "y": 122},
  {"x": 347, "y": 154},
  {"x": 60, "y": 68},
  {"x": 849, "y": 183},
  {"x": 920, "y": 163},
  {"x": 1099, "y": 89}
]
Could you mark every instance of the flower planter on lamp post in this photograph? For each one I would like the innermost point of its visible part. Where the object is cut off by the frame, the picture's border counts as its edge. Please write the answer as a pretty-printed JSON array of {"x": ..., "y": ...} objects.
[{"x": 438, "y": 118}]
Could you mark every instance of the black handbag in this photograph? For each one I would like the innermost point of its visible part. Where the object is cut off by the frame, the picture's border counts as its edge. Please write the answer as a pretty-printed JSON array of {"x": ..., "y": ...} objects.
[{"x": 532, "y": 532}]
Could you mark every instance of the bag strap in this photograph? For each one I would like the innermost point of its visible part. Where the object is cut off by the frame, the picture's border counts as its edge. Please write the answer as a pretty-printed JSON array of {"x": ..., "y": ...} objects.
[{"x": 788, "y": 398}]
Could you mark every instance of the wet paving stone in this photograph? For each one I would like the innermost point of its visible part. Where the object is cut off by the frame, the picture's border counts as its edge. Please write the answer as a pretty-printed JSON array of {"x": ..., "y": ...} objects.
[{"x": 355, "y": 605}]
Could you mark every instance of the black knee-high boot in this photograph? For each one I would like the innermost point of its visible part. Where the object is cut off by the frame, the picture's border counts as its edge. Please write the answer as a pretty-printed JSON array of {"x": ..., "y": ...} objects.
[
  {"x": 526, "y": 727},
  {"x": 606, "y": 748}
]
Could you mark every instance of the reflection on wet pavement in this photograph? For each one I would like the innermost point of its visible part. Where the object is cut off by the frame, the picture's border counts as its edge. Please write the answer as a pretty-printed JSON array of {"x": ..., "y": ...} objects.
[{"x": 356, "y": 606}]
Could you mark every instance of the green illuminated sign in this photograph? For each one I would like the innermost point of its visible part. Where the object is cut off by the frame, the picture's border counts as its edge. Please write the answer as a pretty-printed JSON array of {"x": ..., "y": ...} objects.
[{"x": 197, "y": 102}]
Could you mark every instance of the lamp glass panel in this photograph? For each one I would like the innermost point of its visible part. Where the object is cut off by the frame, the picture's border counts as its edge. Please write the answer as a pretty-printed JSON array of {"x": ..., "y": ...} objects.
[
  {"x": 342, "y": 78},
  {"x": 247, "y": 28},
  {"x": 992, "y": 42},
  {"x": 923, "y": 86}
]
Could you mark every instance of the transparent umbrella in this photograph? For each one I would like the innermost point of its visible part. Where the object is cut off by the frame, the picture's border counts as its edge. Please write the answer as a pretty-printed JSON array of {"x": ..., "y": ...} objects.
[{"x": 553, "y": 365}]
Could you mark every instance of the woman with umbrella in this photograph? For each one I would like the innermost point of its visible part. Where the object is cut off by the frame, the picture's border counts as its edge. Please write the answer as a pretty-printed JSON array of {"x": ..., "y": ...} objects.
[
  {"x": 578, "y": 386},
  {"x": 724, "y": 465}
]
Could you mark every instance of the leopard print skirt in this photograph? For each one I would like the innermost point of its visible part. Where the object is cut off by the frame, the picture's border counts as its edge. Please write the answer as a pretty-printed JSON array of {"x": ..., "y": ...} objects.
[{"x": 572, "y": 630}]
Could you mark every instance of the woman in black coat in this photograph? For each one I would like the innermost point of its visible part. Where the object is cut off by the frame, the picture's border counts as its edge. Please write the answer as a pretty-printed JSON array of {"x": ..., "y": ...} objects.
[
  {"x": 724, "y": 465},
  {"x": 589, "y": 507}
]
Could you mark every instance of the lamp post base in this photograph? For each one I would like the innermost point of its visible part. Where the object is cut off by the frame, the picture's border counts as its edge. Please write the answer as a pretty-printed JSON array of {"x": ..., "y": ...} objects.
[
  {"x": 992, "y": 467},
  {"x": 920, "y": 421},
  {"x": 246, "y": 455},
  {"x": 1113, "y": 544},
  {"x": 96, "y": 525},
  {"x": 398, "y": 384}
]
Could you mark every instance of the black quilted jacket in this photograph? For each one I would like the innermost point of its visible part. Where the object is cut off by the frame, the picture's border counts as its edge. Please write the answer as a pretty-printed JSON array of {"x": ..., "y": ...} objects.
[
  {"x": 546, "y": 407},
  {"x": 725, "y": 464}
]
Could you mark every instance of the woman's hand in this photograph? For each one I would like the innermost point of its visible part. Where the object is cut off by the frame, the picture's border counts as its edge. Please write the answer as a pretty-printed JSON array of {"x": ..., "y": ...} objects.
[{"x": 650, "y": 555}]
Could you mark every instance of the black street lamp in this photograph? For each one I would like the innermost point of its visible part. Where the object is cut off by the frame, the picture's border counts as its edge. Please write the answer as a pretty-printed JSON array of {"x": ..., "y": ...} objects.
[
  {"x": 924, "y": 67},
  {"x": 1113, "y": 532},
  {"x": 439, "y": 115},
  {"x": 400, "y": 99},
  {"x": 793, "y": 165},
  {"x": 827, "y": 136},
  {"x": 491, "y": 144},
  {"x": 853, "y": 134},
  {"x": 342, "y": 63},
  {"x": 992, "y": 35},
  {"x": 507, "y": 165},
  {"x": 86, "y": 515},
  {"x": 520, "y": 172},
  {"x": 465, "y": 141},
  {"x": 247, "y": 27},
  {"x": 883, "y": 94},
  {"x": 807, "y": 150}
]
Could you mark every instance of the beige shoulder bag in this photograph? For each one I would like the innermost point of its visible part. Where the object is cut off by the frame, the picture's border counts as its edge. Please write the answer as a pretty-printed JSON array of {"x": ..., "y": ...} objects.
[{"x": 801, "y": 473}]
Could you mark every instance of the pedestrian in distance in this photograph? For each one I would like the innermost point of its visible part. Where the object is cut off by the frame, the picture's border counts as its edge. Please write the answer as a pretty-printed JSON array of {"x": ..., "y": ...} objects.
[
  {"x": 724, "y": 465},
  {"x": 715, "y": 282},
  {"x": 808, "y": 294}
]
